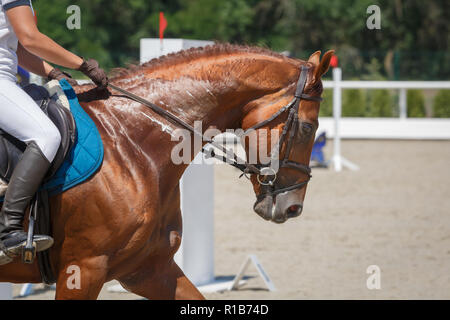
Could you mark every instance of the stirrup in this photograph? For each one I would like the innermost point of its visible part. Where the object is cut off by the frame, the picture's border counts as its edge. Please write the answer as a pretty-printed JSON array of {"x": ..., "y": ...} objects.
[
  {"x": 34, "y": 243},
  {"x": 28, "y": 244},
  {"x": 26, "y": 248},
  {"x": 29, "y": 251}
]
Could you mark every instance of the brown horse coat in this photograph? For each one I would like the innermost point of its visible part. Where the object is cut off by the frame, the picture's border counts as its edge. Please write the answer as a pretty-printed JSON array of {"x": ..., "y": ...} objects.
[{"x": 125, "y": 222}]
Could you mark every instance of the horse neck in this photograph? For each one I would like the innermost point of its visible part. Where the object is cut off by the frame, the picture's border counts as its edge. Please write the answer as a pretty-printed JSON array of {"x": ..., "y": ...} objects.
[{"x": 214, "y": 92}]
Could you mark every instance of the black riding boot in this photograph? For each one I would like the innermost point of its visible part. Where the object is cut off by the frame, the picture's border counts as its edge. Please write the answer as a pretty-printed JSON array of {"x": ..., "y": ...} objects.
[{"x": 24, "y": 183}]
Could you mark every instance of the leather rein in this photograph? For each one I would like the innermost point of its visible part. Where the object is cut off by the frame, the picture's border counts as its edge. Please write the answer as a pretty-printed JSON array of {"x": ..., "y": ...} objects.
[{"x": 290, "y": 127}]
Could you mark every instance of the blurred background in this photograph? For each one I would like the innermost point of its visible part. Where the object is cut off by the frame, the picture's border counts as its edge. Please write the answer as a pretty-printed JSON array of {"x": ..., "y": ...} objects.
[
  {"x": 391, "y": 210},
  {"x": 412, "y": 43}
]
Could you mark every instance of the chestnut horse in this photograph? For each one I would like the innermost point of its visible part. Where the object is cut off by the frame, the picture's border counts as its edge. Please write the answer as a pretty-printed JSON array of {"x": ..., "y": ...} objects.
[{"x": 125, "y": 223}]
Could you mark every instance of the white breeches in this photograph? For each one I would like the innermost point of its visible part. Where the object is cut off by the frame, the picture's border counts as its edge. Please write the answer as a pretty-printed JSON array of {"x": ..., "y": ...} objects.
[{"x": 22, "y": 118}]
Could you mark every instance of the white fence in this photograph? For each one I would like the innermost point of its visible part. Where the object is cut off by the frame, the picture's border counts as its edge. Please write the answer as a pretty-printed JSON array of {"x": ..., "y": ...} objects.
[
  {"x": 387, "y": 128},
  {"x": 402, "y": 86},
  {"x": 376, "y": 128}
]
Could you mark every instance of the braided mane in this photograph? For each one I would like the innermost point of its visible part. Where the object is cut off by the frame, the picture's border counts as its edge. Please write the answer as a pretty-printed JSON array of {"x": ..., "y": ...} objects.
[{"x": 193, "y": 54}]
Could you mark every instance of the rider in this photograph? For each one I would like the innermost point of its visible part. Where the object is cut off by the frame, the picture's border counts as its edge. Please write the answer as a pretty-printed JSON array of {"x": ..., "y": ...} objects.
[{"x": 22, "y": 43}]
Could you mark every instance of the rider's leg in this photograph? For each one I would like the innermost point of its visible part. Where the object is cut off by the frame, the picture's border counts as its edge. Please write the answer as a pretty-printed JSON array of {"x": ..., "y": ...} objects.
[{"x": 23, "y": 119}]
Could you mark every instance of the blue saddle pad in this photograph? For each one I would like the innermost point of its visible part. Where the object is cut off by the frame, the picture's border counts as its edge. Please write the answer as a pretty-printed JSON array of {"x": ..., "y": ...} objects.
[{"x": 86, "y": 155}]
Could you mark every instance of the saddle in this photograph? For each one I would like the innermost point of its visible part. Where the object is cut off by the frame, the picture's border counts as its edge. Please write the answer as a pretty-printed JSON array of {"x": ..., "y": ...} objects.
[
  {"x": 53, "y": 102},
  {"x": 11, "y": 148}
]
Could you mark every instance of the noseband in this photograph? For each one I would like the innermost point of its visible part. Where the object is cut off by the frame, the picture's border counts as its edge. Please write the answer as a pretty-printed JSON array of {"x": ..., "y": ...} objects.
[{"x": 288, "y": 134}]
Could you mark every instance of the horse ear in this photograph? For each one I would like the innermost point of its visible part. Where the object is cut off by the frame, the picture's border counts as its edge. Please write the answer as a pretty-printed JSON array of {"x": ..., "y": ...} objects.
[
  {"x": 315, "y": 58},
  {"x": 323, "y": 66}
]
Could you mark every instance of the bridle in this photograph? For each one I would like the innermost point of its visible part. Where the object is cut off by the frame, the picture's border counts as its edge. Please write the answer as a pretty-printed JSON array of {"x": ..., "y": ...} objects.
[
  {"x": 288, "y": 135},
  {"x": 290, "y": 130}
]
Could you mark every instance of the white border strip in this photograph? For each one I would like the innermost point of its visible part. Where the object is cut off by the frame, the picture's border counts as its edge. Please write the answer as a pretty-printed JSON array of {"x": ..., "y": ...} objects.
[
  {"x": 327, "y": 84},
  {"x": 387, "y": 128}
]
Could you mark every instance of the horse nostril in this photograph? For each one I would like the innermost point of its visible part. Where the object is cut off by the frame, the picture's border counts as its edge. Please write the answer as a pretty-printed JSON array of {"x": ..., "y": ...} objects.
[{"x": 294, "y": 210}]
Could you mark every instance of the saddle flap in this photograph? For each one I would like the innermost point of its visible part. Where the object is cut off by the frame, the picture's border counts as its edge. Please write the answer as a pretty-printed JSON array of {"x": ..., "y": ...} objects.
[
  {"x": 10, "y": 151},
  {"x": 63, "y": 120}
]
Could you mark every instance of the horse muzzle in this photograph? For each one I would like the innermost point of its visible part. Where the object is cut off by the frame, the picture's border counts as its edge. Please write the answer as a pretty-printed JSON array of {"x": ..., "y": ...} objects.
[{"x": 279, "y": 209}]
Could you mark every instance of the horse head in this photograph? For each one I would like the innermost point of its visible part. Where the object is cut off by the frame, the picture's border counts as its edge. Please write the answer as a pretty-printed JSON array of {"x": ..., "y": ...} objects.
[{"x": 289, "y": 126}]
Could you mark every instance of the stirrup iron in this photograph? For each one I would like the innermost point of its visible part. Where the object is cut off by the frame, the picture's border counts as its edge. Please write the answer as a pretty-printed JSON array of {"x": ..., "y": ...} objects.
[{"x": 29, "y": 251}]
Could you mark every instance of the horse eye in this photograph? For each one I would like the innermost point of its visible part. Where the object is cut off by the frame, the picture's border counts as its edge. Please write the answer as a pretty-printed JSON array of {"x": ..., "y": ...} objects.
[{"x": 307, "y": 128}]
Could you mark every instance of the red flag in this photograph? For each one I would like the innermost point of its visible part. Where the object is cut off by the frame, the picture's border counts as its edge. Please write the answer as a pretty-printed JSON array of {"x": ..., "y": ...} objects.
[
  {"x": 334, "y": 61},
  {"x": 162, "y": 25}
]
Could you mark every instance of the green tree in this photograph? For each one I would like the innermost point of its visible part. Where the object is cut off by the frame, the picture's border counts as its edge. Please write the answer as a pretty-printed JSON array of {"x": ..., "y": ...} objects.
[
  {"x": 353, "y": 103},
  {"x": 380, "y": 104},
  {"x": 416, "y": 104},
  {"x": 413, "y": 42},
  {"x": 441, "y": 104},
  {"x": 326, "y": 106},
  {"x": 218, "y": 20}
]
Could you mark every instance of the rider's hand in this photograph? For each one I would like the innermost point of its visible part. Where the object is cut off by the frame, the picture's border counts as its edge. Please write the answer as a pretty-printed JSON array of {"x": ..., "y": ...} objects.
[
  {"x": 94, "y": 72},
  {"x": 57, "y": 74}
]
